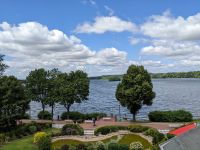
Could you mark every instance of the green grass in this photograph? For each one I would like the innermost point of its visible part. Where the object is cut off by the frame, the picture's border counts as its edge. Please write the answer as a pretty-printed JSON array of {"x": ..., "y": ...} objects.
[
  {"x": 128, "y": 139},
  {"x": 60, "y": 143},
  {"x": 26, "y": 143}
]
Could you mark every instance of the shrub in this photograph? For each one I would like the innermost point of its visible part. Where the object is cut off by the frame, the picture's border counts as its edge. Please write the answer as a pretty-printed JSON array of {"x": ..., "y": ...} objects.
[
  {"x": 109, "y": 129},
  {"x": 100, "y": 146},
  {"x": 81, "y": 147},
  {"x": 158, "y": 138},
  {"x": 79, "y": 117},
  {"x": 150, "y": 132},
  {"x": 44, "y": 143},
  {"x": 123, "y": 147},
  {"x": 32, "y": 129},
  {"x": 137, "y": 128},
  {"x": 113, "y": 146},
  {"x": 95, "y": 115},
  {"x": 2, "y": 139},
  {"x": 72, "y": 129},
  {"x": 65, "y": 147},
  {"x": 75, "y": 115},
  {"x": 170, "y": 116},
  {"x": 136, "y": 146},
  {"x": 72, "y": 148},
  {"x": 169, "y": 136},
  {"x": 38, "y": 136},
  {"x": 44, "y": 115}
]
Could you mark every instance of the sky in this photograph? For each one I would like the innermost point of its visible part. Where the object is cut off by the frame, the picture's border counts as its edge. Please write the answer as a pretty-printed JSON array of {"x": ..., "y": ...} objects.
[{"x": 100, "y": 37}]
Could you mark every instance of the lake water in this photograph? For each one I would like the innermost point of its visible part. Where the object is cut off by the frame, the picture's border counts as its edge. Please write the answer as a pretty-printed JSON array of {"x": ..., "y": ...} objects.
[{"x": 171, "y": 94}]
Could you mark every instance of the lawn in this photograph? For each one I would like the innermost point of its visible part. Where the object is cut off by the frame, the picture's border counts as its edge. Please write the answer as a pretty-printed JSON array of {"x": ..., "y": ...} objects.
[
  {"x": 128, "y": 139},
  {"x": 26, "y": 143},
  {"x": 59, "y": 143}
]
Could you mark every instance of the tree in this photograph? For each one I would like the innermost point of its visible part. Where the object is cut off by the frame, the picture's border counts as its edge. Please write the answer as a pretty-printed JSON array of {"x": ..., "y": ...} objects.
[
  {"x": 2, "y": 65},
  {"x": 135, "y": 90},
  {"x": 13, "y": 102},
  {"x": 73, "y": 88},
  {"x": 37, "y": 86},
  {"x": 52, "y": 87}
]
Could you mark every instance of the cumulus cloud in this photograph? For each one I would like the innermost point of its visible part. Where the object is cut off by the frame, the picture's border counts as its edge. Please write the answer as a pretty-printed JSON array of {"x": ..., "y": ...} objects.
[
  {"x": 32, "y": 45},
  {"x": 169, "y": 27},
  {"x": 106, "y": 24}
]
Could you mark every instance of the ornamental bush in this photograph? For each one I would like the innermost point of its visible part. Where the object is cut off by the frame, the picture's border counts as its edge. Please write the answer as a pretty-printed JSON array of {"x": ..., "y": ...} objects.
[
  {"x": 38, "y": 136},
  {"x": 32, "y": 129},
  {"x": 72, "y": 129},
  {"x": 77, "y": 116},
  {"x": 65, "y": 147},
  {"x": 137, "y": 128},
  {"x": 123, "y": 147},
  {"x": 136, "y": 146},
  {"x": 170, "y": 116},
  {"x": 2, "y": 139},
  {"x": 45, "y": 115},
  {"x": 81, "y": 147},
  {"x": 100, "y": 146},
  {"x": 113, "y": 146},
  {"x": 151, "y": 132},
  {"x": 44, "y": 143},
  {"x": 109, "y": 129}
]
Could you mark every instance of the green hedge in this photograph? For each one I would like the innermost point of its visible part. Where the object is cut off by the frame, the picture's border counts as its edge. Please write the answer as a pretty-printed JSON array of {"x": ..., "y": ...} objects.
[
  {"x": 109, "y": 129},
  {"x": 137, "y": 128},
  {"x": 170, "y": 116},
  {"x": 72, "y": 129},
  {"x": 45, "y": 115},
  {"x": 80, "y": 117}
]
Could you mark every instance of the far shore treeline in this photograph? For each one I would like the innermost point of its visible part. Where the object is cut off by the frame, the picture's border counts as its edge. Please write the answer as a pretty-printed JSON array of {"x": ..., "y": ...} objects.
[{"x": 191, "y": 74}]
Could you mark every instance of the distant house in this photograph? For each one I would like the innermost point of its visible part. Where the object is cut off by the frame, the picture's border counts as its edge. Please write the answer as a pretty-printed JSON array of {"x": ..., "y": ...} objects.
[{"x": 187, "y": 141}]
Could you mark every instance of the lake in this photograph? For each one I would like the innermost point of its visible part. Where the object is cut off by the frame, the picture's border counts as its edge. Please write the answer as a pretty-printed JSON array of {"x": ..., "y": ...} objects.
[{"x": 171, "y": 94}]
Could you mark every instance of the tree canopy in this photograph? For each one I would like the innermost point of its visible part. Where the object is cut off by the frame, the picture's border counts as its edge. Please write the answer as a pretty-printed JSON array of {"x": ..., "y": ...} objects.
[
  {"x": 135, "y": 89},
  {"x": 73, "y": 88},
  {"x": 13, "y": 102},
  {"x": 2, "y": 65},
  {"x": 37, "y": 86}
]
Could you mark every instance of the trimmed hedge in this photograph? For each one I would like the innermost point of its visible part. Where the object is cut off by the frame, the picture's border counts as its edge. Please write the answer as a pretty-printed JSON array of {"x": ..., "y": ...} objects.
[
  {"x": 109, "y": 129},
  {"x": 170, "y": 116},
  {"x": 80, "y": 117},
  {"x": 45, "y": 115},
  {"x": 137, "y": 128},
  {"x": 72, "y": 129}
]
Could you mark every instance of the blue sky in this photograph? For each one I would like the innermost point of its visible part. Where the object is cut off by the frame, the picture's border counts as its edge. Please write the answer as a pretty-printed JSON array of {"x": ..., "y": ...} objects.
[{"x": 100, "y": 36}]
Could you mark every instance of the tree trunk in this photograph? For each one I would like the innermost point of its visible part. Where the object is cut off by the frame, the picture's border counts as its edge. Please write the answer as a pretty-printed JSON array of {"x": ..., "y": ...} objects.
[
  {"x": 67, "y": 106},
  {"x": 52, "y": 108},
  {"x": 43, "y": 107},
  {"x": 134, "y": 117}
]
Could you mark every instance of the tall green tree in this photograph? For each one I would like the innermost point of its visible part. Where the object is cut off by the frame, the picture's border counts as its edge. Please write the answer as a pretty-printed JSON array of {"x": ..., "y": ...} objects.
[
  {"x": 13, "y": 102},
  {"x": 135, "y": 89},
  {"x": 37, "y": 86},
  {"x": 52, "y": 96},
  {"x": 2, "y": 65},
  {"x": 73, "y": 88}
]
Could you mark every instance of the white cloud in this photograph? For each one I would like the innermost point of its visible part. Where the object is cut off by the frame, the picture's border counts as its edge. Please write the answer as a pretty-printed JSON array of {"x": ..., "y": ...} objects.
[
  {"x": 106, "y": 24},
  {"x": 168, "y": 27},
  {"x": 110, "y": 57},
  {"x": 32, "y": 45},
  {"x": 110, "y": 10}
]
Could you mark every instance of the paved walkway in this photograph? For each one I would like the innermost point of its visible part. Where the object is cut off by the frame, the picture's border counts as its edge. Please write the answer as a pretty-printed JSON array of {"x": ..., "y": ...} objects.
[{"x": 101, "y": 122}]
